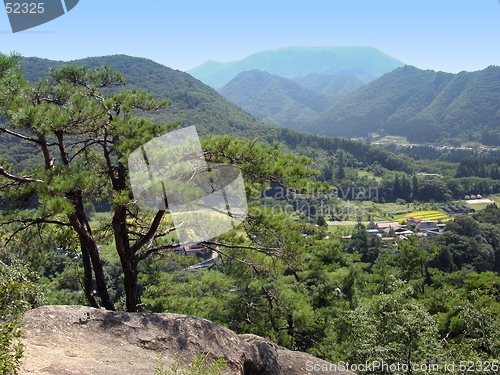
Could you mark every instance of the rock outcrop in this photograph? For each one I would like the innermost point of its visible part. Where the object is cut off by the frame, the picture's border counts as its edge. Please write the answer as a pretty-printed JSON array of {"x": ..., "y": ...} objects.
[{"x": 64, "y": 340}]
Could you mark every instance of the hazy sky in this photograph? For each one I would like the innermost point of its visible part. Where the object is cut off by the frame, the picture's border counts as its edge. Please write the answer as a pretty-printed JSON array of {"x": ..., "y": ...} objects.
[{"x": 449, "y": 35}]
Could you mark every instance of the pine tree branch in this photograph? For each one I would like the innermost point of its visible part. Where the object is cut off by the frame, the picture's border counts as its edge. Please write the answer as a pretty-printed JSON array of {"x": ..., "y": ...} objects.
[
  {"x": 23, "y": 179},
  {"x": 265, "y": 250},
  {"x": 28, "y": 223},
  {"x": 18, "y": 135},
  {"x": 143, "y": 255},
  {"x": 150, "y": 233},
  {"x": 243, "y": 261}
]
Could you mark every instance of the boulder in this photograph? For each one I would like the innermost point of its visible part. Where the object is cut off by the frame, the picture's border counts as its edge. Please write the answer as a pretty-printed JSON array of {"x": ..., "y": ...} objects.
[{"x": 78, "y": 340}]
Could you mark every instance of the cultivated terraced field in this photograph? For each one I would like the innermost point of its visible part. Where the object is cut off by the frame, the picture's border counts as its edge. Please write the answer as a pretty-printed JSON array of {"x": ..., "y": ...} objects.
[{"x": 427, "y": 215}]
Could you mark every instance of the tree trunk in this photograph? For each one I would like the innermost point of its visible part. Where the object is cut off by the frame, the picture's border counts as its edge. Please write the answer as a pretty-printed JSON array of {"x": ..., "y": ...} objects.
[
  {"x": 102, "y": 289},
  {"x": 89, "y": 249},
  {"x": 132, "y": 290},
  {"x": 87, "y": 281},
  {"x": 128, "y": 260}
]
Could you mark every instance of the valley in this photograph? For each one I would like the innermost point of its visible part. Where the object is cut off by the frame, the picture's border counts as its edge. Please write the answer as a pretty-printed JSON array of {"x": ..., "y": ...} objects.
[
  {"x": 423, "y": 106},
  {"x": 351, "y": 247}
]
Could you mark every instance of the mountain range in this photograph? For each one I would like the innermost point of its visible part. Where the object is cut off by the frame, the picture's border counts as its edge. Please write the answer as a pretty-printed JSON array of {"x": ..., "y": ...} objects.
[
  {"x": 194, "y": 103},
  {"x": 277, "y": 100},
  {"x": 423, "y": 105},
  {"x": 364, "y": 63}
]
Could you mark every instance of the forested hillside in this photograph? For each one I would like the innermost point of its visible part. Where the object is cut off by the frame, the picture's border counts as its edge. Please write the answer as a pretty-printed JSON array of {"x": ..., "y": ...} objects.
[
  {"x": 276, "y": 100},
  {"x": 330, "y": 83},
  {"x": 194, "y": 103},
  {"x": 423, "y": 105}
]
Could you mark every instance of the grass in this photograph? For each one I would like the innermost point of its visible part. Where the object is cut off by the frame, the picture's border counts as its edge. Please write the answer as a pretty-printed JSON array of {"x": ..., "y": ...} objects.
[
  {"x": 386, "y": 211},
  {"x": 481, "y": 206},
  {"x": 392, "y": 139},
  {"x": 370, "y": 175},
  {"x": 340, "y": 230},
  {"x": 200, "y": 365}
]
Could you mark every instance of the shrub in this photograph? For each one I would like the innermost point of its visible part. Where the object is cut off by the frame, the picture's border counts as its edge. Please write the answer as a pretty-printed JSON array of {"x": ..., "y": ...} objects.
[{"x": 17, "y": 294}]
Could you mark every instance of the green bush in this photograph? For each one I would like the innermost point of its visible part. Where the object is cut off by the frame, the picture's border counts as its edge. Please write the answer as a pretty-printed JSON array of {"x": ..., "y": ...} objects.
[{"x": 17, "y": 294}]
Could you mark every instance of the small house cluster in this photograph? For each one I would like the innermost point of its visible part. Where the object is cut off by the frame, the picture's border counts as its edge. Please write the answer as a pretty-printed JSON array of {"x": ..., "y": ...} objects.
[
  {"x": 197, "y": 250},
  {"x": 423, "y": 228}
]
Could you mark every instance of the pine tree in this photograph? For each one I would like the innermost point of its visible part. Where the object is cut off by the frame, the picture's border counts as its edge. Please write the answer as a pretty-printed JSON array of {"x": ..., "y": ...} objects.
[
  {"x": 405, "y": 189},
  {"x": 327, "y": 173},
  {"x": 414, "y": 186},
  {"x": 84, "y": 133},
  {"x": 396, "y": 191},
  {"x": 341, "y": 172}
]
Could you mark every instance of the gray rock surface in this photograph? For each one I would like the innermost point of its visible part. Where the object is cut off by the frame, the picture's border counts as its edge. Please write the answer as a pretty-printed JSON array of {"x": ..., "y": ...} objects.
[{"x": 78, "y": 340}]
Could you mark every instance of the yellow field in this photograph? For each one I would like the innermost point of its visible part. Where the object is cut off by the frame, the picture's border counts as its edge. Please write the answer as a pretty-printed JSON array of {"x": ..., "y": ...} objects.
[{"x": 426, "y": 215}]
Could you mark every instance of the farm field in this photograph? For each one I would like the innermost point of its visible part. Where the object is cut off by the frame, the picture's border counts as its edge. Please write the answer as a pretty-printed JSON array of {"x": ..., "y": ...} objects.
[
  {"x": 389, "y": 139},
  {"x": 391, "y": 211},
  {"x": 426, "y": 215},
  {"x": 482, "y": 205}
]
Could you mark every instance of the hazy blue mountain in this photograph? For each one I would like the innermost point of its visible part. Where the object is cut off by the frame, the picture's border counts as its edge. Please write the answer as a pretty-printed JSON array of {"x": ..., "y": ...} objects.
[
  {"x": 423, "y": 105},
  {"x": 276, "y": 100},
  {"x": 332, "y": 84},
  {"x": 364, "y": 63}
]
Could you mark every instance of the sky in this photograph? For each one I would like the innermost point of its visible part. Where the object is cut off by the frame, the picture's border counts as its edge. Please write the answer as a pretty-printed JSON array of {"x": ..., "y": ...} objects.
[{"x": 447, "y": 35}]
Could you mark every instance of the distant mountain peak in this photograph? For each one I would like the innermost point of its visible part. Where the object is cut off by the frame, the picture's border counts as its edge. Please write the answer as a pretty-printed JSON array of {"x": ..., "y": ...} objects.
[{"x": 365, "y": 63}]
